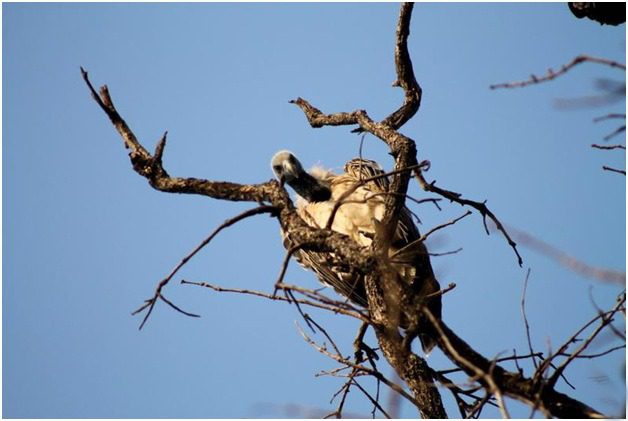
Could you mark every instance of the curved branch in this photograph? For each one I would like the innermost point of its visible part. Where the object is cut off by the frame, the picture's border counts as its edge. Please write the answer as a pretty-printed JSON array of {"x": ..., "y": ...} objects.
[
  {"x": 271, "y": 192},
  {"x": 405, "y": 74},
  {"x": 532, "y": 392}
]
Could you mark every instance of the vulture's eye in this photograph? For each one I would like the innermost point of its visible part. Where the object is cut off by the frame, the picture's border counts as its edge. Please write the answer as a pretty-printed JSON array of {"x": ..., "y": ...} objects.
[{"x": 277, "y": 168}]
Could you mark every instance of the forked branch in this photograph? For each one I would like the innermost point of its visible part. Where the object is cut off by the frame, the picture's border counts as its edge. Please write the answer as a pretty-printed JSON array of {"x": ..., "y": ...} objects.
[
  {"x": 150, "y": 303},
  {"x": 272, "y": 198}
]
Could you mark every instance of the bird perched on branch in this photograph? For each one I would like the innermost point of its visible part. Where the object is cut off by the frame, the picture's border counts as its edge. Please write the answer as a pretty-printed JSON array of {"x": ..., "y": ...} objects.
[{"x": 362, "y": 208}]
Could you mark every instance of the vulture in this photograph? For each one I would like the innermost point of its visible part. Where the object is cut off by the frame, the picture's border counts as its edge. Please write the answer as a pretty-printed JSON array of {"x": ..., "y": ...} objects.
[{"x": 357, "y": 217}]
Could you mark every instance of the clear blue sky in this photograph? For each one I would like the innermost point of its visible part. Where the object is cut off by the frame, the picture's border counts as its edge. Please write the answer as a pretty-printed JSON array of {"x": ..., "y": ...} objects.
[{"x": 86, "y": 239}]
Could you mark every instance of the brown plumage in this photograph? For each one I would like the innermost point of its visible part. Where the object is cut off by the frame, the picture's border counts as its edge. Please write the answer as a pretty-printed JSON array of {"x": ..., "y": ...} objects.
[{"x": 357, "y": 218}]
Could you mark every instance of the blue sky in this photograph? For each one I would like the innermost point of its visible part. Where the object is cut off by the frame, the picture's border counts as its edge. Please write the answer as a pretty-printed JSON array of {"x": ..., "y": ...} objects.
[{"x": 86, "y": 239}]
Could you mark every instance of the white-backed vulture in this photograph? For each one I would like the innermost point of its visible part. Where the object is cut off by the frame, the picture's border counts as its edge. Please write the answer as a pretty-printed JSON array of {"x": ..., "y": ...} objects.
[{"x": 357, "y": 217}]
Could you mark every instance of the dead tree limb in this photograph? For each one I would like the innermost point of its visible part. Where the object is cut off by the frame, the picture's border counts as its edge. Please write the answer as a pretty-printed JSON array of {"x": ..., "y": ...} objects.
[
  {"x": 529, "y": 391},
  {"x": 385, "y": 292}
]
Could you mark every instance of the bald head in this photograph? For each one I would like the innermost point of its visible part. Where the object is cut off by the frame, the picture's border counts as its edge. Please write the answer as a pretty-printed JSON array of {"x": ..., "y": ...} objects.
[{"x": 288, "y": 169}]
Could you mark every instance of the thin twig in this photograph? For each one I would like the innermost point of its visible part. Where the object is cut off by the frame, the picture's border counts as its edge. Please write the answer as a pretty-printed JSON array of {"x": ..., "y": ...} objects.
[
  {"x": 605, "y": 319},
  {"x": 608, "y": 147},
  {"x": 150, "y": 303},
  {"x": 601, "y": 354},
  {"x": 316, "y": 295},
  {"x": 345, "y": 389},
  {"x": 610, "y": 116},
  {"x": 361, "y": 367},
  {"x": 480, "y": 207},
  {"x": 457, "y": 391},
  {"x": 430, "y": 232},
  {"x": 619, "y": 130},
  {"x": 291, "y": 298},
  {"x": 446, "y": 253},
  {"x": 614, "y": 170},
  {"x": 441, "y": 292},
  {"x": 373, "y": 400},
  {"x": 477, "y": 408},
  {"x": 334, "y": 308},
  {"x": 171, "y": 304},
  {"x": 324, "y": 332},
  {"x": 284, "y": 264},
  {"x": 501, "y": 359},
  {"x": 564, "y": 69},
  {"x": 525, "y": 317}
]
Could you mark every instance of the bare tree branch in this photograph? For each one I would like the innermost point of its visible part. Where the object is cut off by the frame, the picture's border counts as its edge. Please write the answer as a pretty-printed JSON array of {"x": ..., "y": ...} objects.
[
  {"x": 386, "y": 293},
  {"x": 601, "y": 354},
  {"x": 480, "y": 207},
  {"x": 320, "y": 301},
  {"x": 346, "y": 362},
  {"x": 405, "y": 73},
  {"x": 607, "y": 168},
  {"x": 514, "y": 385},
  {"x": 525, "y": 317},
  {"x": 608, "y": 147},
  {"x": 150, "y": 303},
  {"x": 619, "y": 130},
  {"x": 432, "y": 231},
  {"x": 605, "y": 319},
  {"x": 551, "y": 75},
  {"x": 610, "y": 116}
]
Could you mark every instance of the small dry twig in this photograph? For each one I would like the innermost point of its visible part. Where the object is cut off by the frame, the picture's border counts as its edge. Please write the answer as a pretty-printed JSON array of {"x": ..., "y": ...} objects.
[
  {"x": 605, "y": 319},
  {"x": 320, "y": 301},
  {"x": 430, "y": 232},
  {"x": 150, "y": 303},
  {"x": 525, "y": 317},
  {"x": 480, "y": 207},
  {"x": 551, "y": 74},
  {"x": 367, "y": 370},
  {"x": 607, "y": 168},
  {"x": 608, "y": 147}
]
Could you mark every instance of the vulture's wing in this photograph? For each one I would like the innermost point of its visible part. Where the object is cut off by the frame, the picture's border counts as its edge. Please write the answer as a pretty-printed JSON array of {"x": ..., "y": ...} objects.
[
  {"x": 344, "y": 281},
  {"x": 408, "y": 254}
]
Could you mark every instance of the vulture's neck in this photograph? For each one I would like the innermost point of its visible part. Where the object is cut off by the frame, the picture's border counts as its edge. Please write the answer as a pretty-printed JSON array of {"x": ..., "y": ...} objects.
[{"x": 311, "y": 188}]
